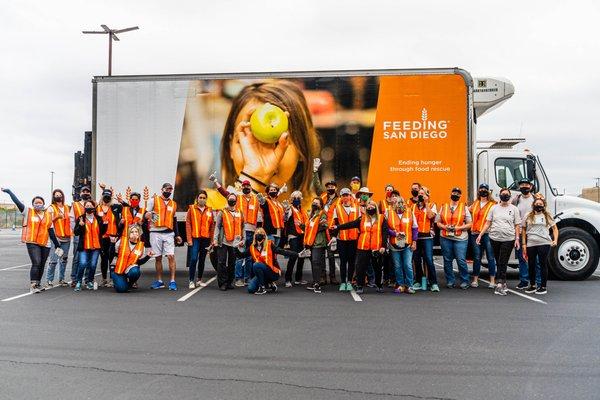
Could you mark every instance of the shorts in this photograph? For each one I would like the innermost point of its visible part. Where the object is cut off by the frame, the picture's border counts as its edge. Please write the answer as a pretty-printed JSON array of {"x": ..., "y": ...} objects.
[{"x": 162, "y": 244}]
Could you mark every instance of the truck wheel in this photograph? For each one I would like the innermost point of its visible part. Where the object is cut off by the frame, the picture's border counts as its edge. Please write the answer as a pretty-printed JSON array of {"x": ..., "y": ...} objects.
[{"x": 576, "y": 256}]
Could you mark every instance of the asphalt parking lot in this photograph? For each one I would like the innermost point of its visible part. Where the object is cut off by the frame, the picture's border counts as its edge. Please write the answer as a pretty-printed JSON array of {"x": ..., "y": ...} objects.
[{"x": 294, "y": 344}]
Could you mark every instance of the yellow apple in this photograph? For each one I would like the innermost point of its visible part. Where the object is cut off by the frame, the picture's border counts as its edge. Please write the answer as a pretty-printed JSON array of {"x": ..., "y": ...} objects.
[{"x": 268, "y": 122}]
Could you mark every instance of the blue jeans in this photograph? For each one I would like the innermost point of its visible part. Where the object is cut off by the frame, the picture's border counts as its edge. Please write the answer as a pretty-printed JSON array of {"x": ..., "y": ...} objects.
[
  {"x": 243, "y": 266},
  {"x": 88, "y": 259},
  {"x": 196, "y": 257},
  {"x": 65, "y": 246},
  {"x": 264, "y": 274},
  {"x": 402, "y": 261},
  {"x": 478, "y": 249},
  {"x": 124, "y": 282},
  {"x": 75, "y": 264},
  {"x": 274, "y": 239},
  {"x": 455, "y": 250},
  {"x": 524, "y": 269},
  {"x": 424, "y": 254}
]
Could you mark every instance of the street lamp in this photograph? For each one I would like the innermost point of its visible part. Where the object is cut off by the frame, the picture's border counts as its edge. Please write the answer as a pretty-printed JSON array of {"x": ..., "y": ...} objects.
[
  {"x": 111, "y": 36},
  {"x": 51, "y": 182}
]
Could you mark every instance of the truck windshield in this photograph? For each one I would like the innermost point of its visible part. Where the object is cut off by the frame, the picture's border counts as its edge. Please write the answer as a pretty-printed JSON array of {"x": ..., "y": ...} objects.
[
  {"x": 509, "y": 171},
  {"x": 545, "y": 177}
]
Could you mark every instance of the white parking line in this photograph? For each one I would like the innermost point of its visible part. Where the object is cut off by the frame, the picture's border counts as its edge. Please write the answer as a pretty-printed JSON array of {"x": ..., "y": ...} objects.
[
  {"x": 193, "y": 292},
  {"x": 15, "y": 267},
  {"x": 510, "y": 290},
  {"x": 29, "y": 293},
  {"x": 355, "y": 295}
]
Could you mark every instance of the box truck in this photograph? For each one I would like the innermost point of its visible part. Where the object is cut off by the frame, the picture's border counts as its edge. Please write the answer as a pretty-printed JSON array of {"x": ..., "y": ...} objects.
[{"x": 382, "y": 126}]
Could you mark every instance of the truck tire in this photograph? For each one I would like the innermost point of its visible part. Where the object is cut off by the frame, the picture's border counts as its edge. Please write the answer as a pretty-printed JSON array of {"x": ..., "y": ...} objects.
[{"x": 576, "y": 255}]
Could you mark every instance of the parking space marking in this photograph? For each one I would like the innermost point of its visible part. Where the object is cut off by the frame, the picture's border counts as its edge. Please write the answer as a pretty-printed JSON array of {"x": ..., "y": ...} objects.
[
  {"x": 193, "y": 292},
  {"x": 510, "y": 290},
  {"x": 30, "y": 293},
  {"x": 355, "y": 295},
  {"x": 15, "y": 267}
]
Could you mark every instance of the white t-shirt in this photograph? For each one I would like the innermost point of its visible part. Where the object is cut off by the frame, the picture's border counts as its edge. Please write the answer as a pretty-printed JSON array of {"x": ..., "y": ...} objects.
[
  {"x": 503, "y": 220},
  {"x": 538, "y": 231}
]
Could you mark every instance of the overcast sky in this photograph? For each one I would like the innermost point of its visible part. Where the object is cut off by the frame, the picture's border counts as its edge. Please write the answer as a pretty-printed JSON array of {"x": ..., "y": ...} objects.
[{"x": 549, "y": 50}]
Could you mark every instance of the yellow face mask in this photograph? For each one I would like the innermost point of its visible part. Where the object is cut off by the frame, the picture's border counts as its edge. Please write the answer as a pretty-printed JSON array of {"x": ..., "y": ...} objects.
[{"x": 355, "y": 186}]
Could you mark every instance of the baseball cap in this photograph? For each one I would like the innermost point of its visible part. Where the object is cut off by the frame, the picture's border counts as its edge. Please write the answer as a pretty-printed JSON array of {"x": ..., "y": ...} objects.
[
  {"x": 167, "y": 185},
  {"x": 331, "y": 182},
  {"x": 456, "y": 189},
  {"x": 345, "y": 191},
  {"x": 246, "y": 183},
  {"x": 85, "y": 188},
  {"x": 484, "y": 186},
  {"x": 524, "y": 180},
  {"x": 355, "y": 178}
]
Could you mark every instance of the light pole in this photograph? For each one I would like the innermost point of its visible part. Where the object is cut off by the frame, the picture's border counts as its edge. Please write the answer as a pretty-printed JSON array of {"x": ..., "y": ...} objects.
[
  {"x": 597, "y": 189},
  {"x": 111, "y": 36},
  {"x": 51, "y": 182}
]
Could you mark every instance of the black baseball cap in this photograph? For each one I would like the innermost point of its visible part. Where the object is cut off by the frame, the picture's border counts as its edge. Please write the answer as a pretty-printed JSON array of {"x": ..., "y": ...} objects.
[
  {"x": 524, "y": 180},
  {"x": 167, "y": 185},
  {"x": 332, "y": 182},
  {"x": 484, "y": 186},
  {"x": 457, "y": 190},
  {"x": 85, "y": 188}
]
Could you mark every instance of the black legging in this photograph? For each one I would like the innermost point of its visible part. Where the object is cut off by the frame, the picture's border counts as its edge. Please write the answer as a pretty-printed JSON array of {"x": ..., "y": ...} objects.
[
  {"x": 502, "y": 252},
  {"x": 541, "y": 252},
  {"x": 38, "y": 256},
  {"x": 226, "y": 265},
  {"x": 363, "y": 257},
  {"x": 296, "y": 245},
  {"x": 107, "y": 253},
  {"x": 347, "y": 251}
]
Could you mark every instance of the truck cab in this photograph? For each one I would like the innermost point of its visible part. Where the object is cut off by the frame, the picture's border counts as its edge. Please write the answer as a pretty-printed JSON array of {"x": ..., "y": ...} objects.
[{"x": 502, "y": 164}]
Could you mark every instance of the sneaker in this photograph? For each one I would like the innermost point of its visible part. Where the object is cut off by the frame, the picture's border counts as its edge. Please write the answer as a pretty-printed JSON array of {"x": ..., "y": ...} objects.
[
  {"x": 261, "y": 290},
  {"x": 435, "y": 288},
  {"x": 450, "y": 285},
  {"x": 272, "y": 287},
  {"x": 157, "y": 285},
  {"x": 34, "y": 288},
  {"x": 399, "y": 289},
  {"x": 342, "y": 287},
  {"x": 371, "y": 284},
  {"x": 317, "y": 289},
  {"x": 521, "y": 285},
  {"x": 311, "y": 286},
  {"x": 464, "y": 286},
  {"x": 172, "y": 285},
  {"x": 360, "y": 290},
  {"x": 417, "y": 286},
  {"x": 349, "y": 287},
  {"x": 500, "y": 290},
  {"x": 301, "y": 282},
  {"x": 134, "y": 285},
  {"x": 73, "y": 284},
  {"x": 474, "y": 284},
  {"x": 288, "y": 284},
  {"x": 201, "y": 283},
  {"x": 530, "y": 289},
  {"x": 104, "y": 283},
  {"x": 505, "y": 289},
  {"x": 49, "y": 284},
  {"x": 110, "y": 284},
  {"x": 62, "y": 283},
  {"x": 90, "y": 286},
  {"x": 77, "y": 287},
  {"x": 541, "y": 290},
  {"x": 239, "y": 283},
  {"x": 379, "y": 289},
  {"x": 491, "y": 285},
  {"x": 304, "y": 253},
  {"x": 410, "y": 290},
  {"x": 192, "y": 285},
  {"x": 94, "y": 285}
]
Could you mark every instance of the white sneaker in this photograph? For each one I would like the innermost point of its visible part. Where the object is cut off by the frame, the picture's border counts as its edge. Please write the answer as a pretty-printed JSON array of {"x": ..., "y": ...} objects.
[
  {"x": 192, "y": 285},
  {"x": 288, "y": 284},
  {"x": 201, "y": 283},
  {"x": 95, "y": 285},
  {"x": 304, "y": 253},
  {"x": 474, "y": 284}
]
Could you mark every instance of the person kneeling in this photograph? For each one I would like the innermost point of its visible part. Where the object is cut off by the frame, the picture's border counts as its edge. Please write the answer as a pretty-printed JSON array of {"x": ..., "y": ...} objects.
[
  {"x": 130, "y": 256},
  {"x": 266, "y": 268}
]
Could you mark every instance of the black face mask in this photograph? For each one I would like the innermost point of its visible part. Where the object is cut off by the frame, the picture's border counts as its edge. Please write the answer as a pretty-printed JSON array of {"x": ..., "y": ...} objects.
[
  {"x": 166, "y": 195},
  {"x": 525, "y": 190},
  {"x": 421, "y": 198},
  {"x": 90, "y": 210},
  {"x": 484, "y": 193},
  {"x": 58, "y": 199},
  {"x": 231, "y": 202},
  {"x": 371, "y": 211},
  {"x": 538, "y": 208},
  {"x": 454, "y": 197},
  {"x": 331, "y": 192},
  {"x": 246, "y": 190},
  {"x": 86, "y": 196},
  {"x": 414, "y": 193},
  {"x": 315, "y": 207},
  {"x": 106, "y": 198},
  {"x": 259, "y": 237},
  {"x": 273, "y": 194},
  {"x": 505, "y": 197}
]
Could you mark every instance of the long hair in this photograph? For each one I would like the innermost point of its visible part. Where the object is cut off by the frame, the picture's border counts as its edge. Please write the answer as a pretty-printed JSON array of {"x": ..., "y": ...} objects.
[
  {"x": 58, "y": 191},
  {"x": 287, "y": 96},
  {"x": 259, "y": 230},
  {"x": 321, "y": 204},
  {"x": 546, "y": 214}
]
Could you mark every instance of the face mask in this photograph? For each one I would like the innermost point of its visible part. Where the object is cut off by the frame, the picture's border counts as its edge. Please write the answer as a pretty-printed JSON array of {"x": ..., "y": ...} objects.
[
  {"x": 315, "y": 207},
  {"x": 455, "y": 197},
  {"x": 106, "y": 198},
  {"x": 86, "y": 196},
  {"x": 231, "y": 202},
  {"x": 388, "y": 194},
  {"x": 414, "y": 193},
  {"x": 371, "y": 211},
  {"x": 38, "y": 207},
  {"x": 89, "y": 210},
  {"x": 401, "y": 209},
  {"x": 421, "y": 198},
  {"x": 58, "y": 199},
  {"x": 483, "y": 193},
  {"x": 134, "y": 203},
  {"x": 202, "y": 202},
  {"x": 246, "y": 190},
  {"x": 505, "y": 197},
  {"x": 273, "y": 194},
  {"x": 259, "y": 237},
  {"x": 525, "y": 190},
  {"x": 331, "y": 192},
  {"x": 355, "y": 186},
  {"x": 296, "y": 202},
  {"x": 364, "y": 197},
  {"x": 166, "y": 195},
  {"x": 538, "y": 208}
]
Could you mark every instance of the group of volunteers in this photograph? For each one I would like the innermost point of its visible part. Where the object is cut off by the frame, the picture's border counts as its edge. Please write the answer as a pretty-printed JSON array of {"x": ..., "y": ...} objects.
[{"x": 379, "y": 244}]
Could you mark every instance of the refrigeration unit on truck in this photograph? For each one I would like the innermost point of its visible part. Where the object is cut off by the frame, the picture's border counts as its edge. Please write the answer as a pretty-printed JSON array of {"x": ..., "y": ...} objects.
[{"x": 383, "y": 126}]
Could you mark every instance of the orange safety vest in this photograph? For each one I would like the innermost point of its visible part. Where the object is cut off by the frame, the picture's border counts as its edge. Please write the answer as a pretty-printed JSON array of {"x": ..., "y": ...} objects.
[
  {"x": 62, "y": 226},
  {"x": 201, "y": 221},
  {"x": 165, "y": 212},
  {"x": 35, "y": 228},
  {"x": 108, "y": 216},
  {"x": 127, "y": 256},
  {"x": 329, "y": 208},
  {"x": 92, "y": 235},
  {"x": 370, "y": 234},
  {"x": 276, "y": 212},
  {"x": 384, "y": 206},
  {"x": 311, "y": 229},
  {"x": 78, "y": 210},
  {"x": 266, "y": 256},
  {"x": 343, "y": 217},
  {"x": 129, "y": 219},
  {"x": 300, "y": 218},
  {"x": 249, "y": 208},
  {"x": 480, "y": 215},
  {"x": 448, "y": 217},
  {"x": 403, "y": 223},
  {"x": 422, "y": 220},
  {"x": 232, "y": 224}
]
